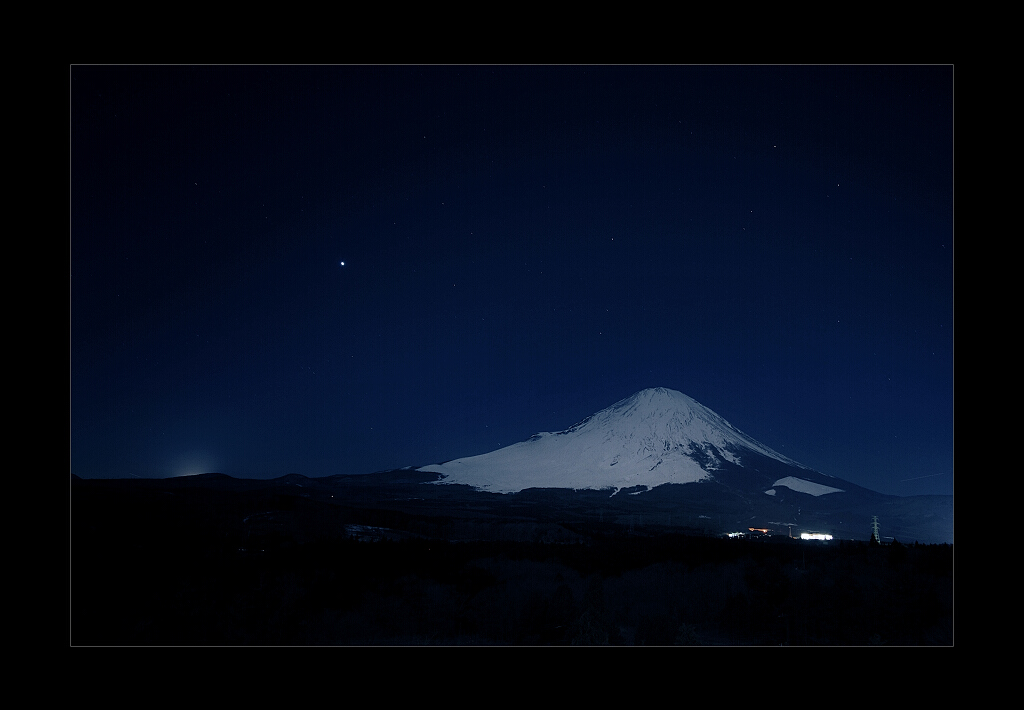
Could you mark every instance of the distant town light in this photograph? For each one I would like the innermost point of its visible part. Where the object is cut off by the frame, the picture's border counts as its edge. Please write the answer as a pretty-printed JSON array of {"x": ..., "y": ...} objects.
[{"x": 815, "y": 536}]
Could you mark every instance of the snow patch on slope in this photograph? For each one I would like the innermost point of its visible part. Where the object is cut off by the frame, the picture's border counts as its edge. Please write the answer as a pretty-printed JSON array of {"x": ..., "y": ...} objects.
[{"x": 799, "y": 484}]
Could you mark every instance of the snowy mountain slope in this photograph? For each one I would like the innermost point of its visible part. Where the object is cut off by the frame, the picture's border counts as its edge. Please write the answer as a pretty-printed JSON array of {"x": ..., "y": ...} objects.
[{"x": 656, "y": 436}]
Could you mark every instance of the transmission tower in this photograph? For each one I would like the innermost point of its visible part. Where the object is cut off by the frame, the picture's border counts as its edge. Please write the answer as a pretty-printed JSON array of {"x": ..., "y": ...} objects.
[{"x": 874, "y": 530}]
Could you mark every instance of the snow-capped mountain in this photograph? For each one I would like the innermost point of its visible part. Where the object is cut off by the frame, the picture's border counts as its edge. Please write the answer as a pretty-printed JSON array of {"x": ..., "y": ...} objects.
[{"x": 657, "y": 436}]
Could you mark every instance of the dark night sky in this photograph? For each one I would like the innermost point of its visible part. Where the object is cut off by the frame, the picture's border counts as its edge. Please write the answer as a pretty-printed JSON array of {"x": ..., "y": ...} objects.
[{"x": 523, "y": 246}]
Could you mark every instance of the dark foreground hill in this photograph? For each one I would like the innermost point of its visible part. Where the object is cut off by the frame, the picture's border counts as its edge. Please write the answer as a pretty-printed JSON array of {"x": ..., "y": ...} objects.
[{"x": 382, "y": 559}]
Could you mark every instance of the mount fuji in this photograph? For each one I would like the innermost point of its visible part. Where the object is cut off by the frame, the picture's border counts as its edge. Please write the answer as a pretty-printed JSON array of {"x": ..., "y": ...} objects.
[
  {"x": 655, "y": 437},
  {"x": 676, "y": 460}
]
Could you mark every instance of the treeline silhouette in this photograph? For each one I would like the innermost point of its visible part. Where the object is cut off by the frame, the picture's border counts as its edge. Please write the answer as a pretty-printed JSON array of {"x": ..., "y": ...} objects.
[{"x": 155, "y": 569}]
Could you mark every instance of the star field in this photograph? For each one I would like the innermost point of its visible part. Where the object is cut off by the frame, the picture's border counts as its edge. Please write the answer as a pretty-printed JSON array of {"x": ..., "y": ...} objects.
[{"x": 325, "y": 270}]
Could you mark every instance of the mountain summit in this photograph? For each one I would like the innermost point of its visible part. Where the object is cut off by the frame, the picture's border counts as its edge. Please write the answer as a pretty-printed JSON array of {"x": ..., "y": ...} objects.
[{"x": 656, "y": 436}]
